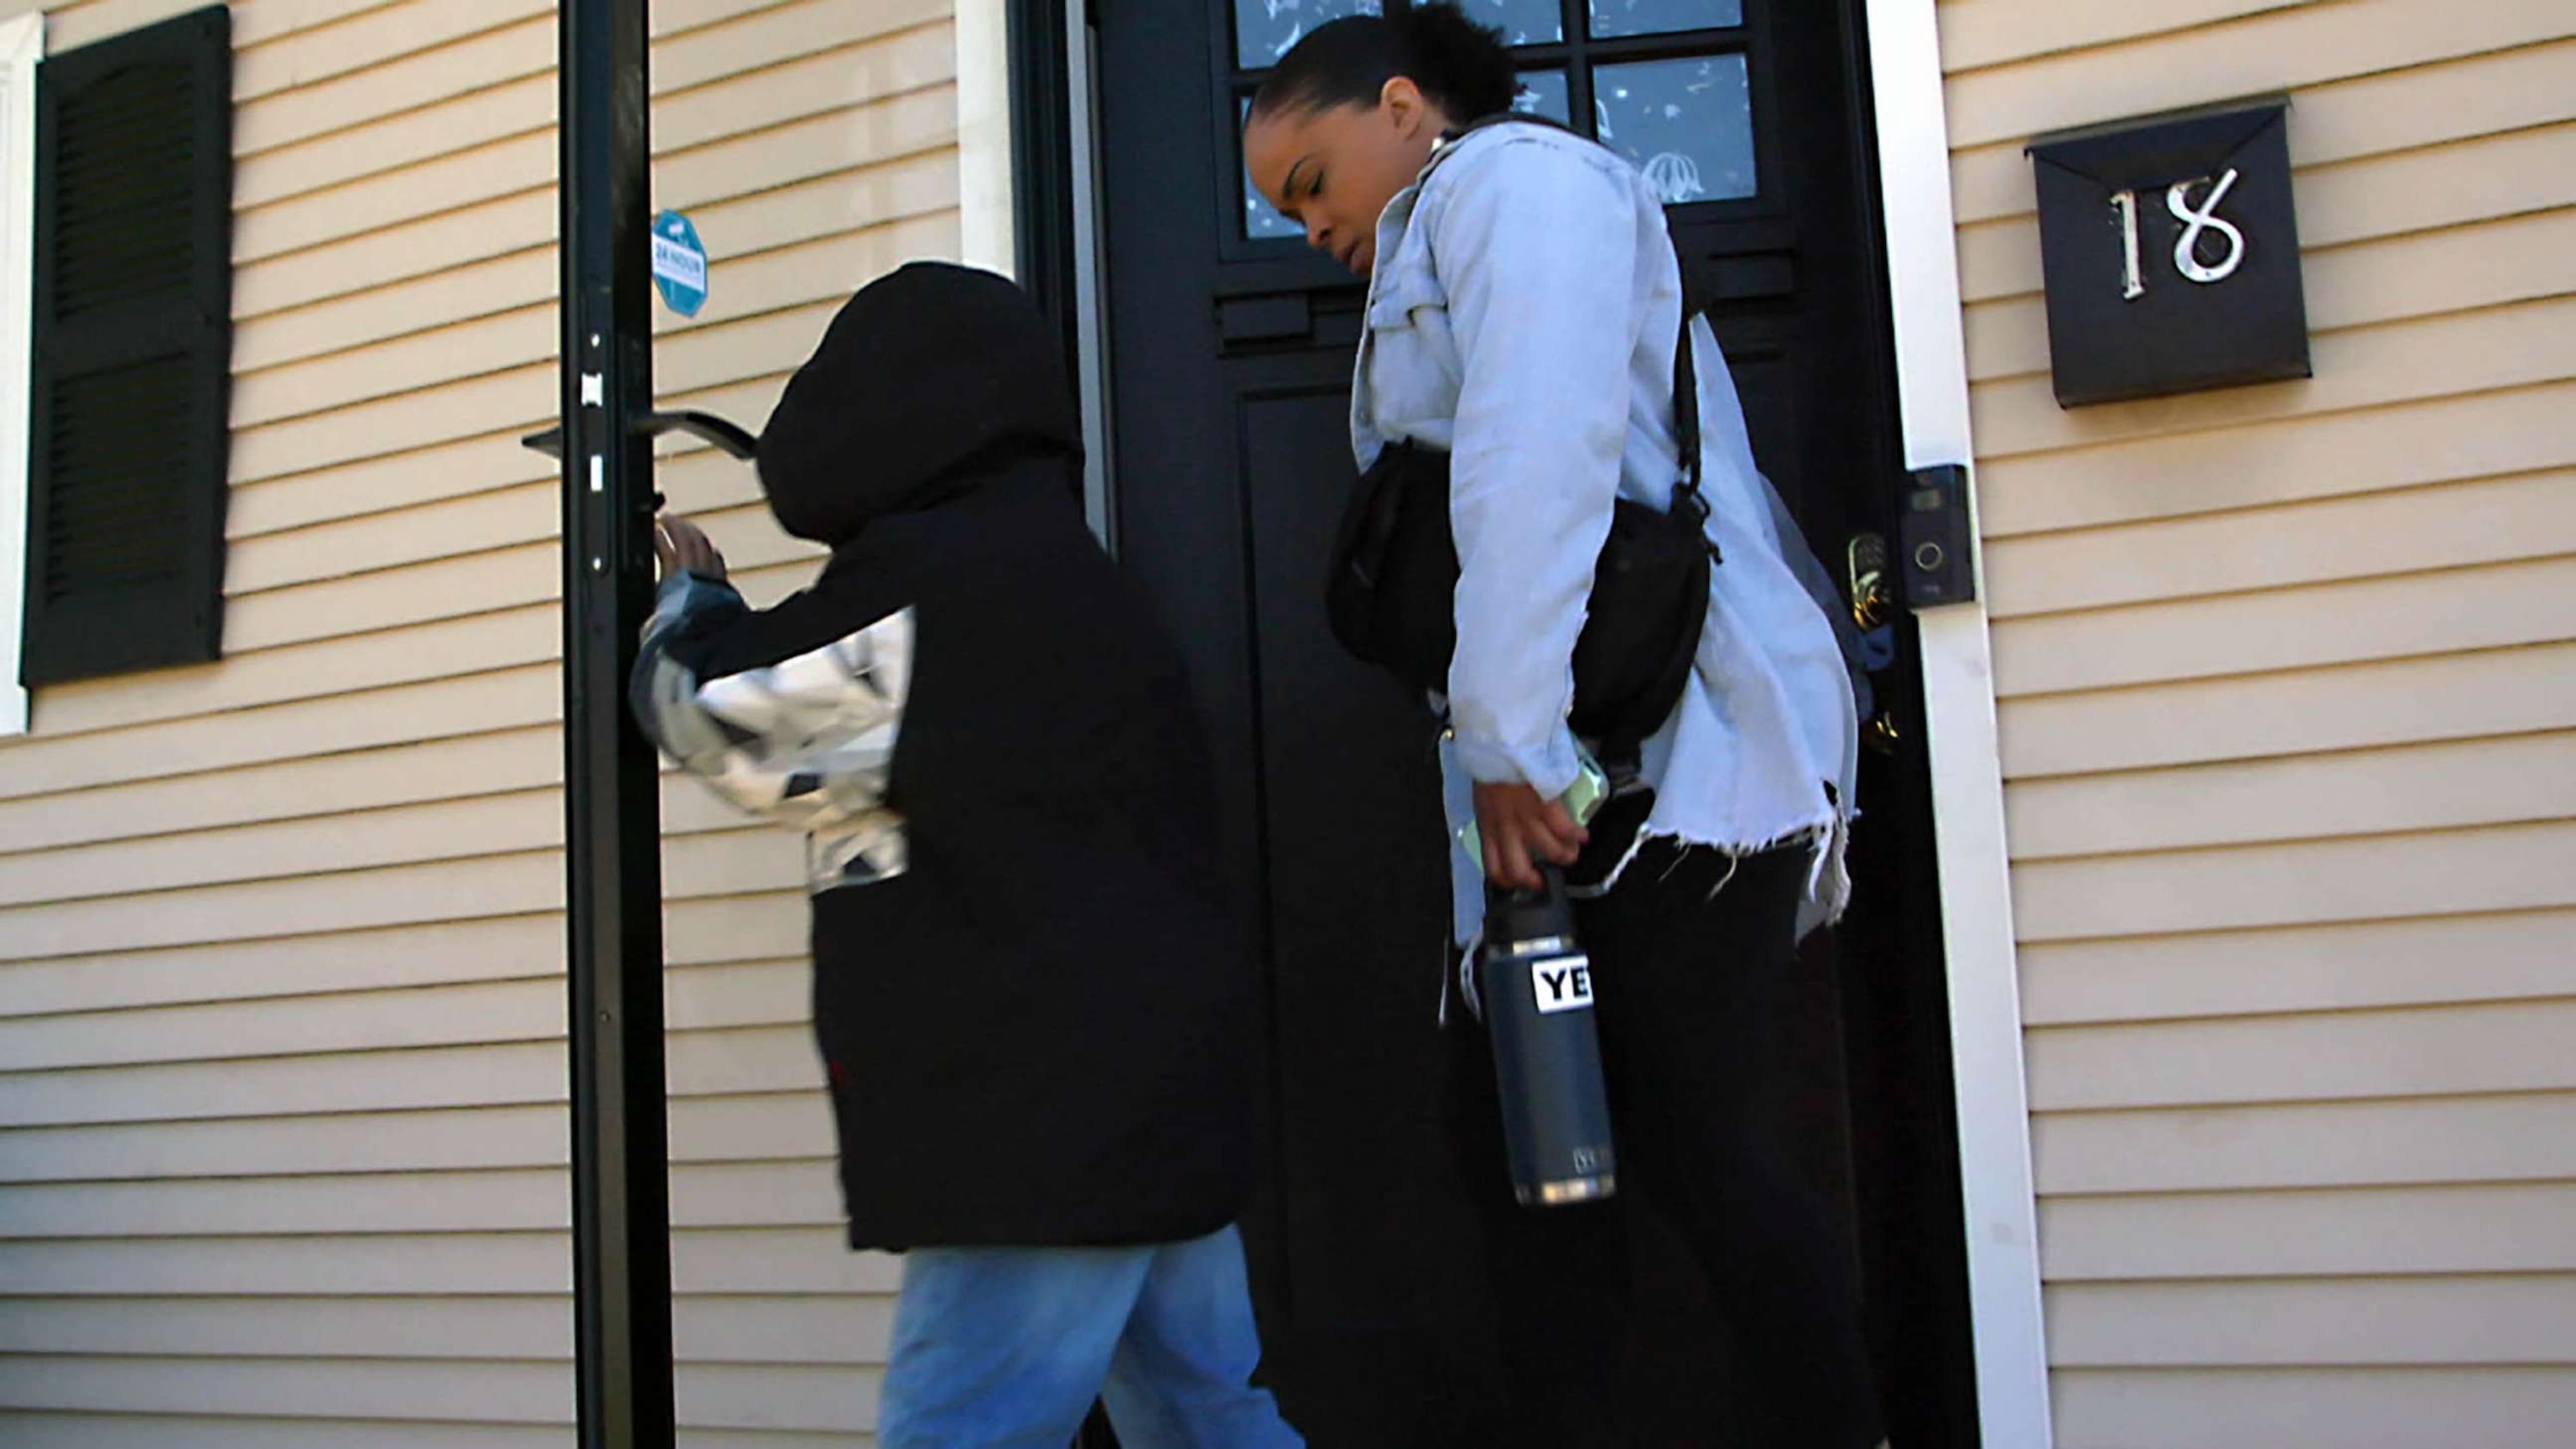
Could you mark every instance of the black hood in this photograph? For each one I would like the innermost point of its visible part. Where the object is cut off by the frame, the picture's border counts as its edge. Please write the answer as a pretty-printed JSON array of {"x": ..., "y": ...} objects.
[{"x": 928, "y": 382}]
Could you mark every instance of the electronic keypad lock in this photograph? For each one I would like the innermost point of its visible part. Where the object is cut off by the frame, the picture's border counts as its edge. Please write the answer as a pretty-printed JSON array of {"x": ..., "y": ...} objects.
[{"x": 1935, "y": 552}]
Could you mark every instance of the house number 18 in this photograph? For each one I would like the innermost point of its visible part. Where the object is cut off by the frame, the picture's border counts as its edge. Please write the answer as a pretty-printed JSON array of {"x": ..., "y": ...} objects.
[{"x": 2186, "y": 252}]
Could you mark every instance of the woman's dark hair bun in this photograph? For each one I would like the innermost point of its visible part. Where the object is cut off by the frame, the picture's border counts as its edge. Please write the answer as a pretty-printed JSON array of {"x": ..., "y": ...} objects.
[{"x": 1462, "y": 66}]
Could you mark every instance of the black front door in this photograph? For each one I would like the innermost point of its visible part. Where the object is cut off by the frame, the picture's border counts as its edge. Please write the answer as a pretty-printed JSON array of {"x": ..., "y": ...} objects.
[{"x": 1230, "y": 358}]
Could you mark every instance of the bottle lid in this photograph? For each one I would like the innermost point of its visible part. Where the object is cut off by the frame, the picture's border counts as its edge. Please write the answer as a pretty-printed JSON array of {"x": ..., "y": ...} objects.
[{"x": 1529, "y": 915}]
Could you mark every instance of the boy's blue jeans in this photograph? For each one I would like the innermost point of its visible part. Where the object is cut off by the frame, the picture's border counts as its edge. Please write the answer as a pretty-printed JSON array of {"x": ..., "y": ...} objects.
[{"x": 1005, "y": 1348}]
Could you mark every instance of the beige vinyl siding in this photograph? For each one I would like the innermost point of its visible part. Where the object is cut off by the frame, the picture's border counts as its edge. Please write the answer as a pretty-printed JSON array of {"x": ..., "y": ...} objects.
[
  {"x": 282, "y": 1078},
  {"x": 2287, "y": 681},
  {"x": 282, "y": 1132}
]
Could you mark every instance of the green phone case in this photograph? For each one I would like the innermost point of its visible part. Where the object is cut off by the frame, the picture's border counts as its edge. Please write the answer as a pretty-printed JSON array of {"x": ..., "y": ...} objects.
[{"x": 1582, "y": 799}]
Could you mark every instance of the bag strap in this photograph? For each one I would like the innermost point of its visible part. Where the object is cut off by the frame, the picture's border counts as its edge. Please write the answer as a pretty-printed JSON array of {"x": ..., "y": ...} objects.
[
  {"x": 1686, "y": 438},
  {"x": 1686, "y": 492}
]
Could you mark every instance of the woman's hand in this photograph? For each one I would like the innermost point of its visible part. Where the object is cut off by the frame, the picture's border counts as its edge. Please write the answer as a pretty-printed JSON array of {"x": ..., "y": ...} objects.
[
  {"x": 680, "y": 544},
  {"x": 1520, "y": 830}
]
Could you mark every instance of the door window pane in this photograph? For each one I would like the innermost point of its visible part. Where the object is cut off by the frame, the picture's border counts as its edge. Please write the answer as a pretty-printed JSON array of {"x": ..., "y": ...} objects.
[
  {"x": 1544, "y": 93},
  {"x": 1522, "y": 22},
  {"x": 1265, "y": 30},
  {"x": 1261, "y": 220},
  {"x": 1689, "y": 123},
  {"x": 1659, "y": 17}
]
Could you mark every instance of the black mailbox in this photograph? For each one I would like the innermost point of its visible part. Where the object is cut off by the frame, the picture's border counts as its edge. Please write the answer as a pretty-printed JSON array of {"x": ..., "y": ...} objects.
[{"x": 2170, "y": 249}]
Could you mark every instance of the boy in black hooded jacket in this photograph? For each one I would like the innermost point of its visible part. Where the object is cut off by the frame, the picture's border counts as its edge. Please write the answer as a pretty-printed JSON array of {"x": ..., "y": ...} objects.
[{"x": 1033, "y": 1011}]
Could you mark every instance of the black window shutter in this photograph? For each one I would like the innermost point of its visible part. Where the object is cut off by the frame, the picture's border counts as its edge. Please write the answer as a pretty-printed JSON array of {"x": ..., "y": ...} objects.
[{"x": 127, "y": 436}]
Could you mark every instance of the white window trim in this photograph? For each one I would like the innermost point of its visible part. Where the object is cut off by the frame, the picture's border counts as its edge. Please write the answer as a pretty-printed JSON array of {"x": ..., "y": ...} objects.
[
  {"x": 986, "y": 237},
  {"x": 22, "y": 48},
  {"x": 1996, "y": 1185}
]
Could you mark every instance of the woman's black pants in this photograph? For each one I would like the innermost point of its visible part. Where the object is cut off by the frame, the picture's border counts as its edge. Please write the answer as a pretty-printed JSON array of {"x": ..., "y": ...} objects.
[{"x": 1690, "y": 966}]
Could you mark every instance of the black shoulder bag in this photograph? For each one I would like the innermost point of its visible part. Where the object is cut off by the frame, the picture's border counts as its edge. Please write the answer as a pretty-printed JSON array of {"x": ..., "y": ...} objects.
[{"x": 1391, "y": 594}]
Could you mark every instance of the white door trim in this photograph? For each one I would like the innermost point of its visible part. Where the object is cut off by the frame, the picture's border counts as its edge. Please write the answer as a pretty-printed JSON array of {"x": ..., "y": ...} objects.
[
  {"x": 1999, "y": 1202},
  {"x": 986, "y": 235},
  {"x": 22, "y": 49}
]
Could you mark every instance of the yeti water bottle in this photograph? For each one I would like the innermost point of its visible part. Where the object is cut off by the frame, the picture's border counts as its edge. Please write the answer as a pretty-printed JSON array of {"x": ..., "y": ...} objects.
[{"x": 1536, "y": 987}]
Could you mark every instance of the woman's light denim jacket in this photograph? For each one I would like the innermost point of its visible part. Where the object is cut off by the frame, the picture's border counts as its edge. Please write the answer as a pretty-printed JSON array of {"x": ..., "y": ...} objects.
[{"x": 1522, "y": 315}]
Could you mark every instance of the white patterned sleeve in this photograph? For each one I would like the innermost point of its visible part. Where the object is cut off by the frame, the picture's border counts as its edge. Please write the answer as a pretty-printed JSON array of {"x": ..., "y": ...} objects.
[{"x": 807, "y": 742}]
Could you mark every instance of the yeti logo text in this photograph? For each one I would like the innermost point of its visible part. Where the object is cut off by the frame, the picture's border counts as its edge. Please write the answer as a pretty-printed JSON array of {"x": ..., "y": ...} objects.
[{"x": 1564, "y": 984}]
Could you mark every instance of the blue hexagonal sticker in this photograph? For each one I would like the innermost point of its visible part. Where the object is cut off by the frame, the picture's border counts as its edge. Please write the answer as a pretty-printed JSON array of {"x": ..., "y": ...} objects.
[{"x": 679, "y": 264}]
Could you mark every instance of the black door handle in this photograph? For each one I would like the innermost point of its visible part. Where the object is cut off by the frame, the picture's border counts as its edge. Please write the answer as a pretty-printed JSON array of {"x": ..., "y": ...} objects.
[{"x": 728, "y": 438}]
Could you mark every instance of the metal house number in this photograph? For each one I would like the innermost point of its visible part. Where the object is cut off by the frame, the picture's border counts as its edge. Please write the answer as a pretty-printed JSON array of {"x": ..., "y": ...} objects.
[
  {"x": 2206, "y": 191},
  {"x": 2186, "y": 252}
]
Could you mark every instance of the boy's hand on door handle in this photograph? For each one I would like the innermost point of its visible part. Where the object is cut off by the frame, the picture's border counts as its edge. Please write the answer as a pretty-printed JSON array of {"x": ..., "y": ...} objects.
[{"x": 680, "y": 544}]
